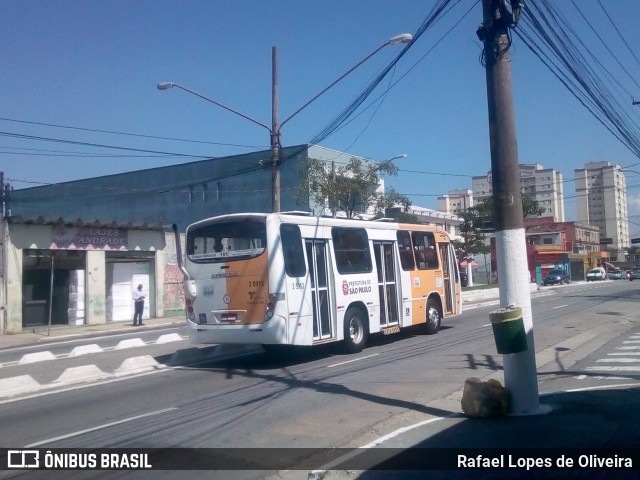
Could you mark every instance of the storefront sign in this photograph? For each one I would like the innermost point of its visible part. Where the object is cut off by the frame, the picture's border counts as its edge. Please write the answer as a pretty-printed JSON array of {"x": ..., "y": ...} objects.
[{"x": 89, "y": 238}]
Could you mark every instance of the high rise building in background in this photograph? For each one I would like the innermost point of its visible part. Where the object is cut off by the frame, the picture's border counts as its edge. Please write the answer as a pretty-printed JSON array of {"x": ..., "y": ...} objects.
[
  {"x": 455, "y": 201},
  {"x": 538, "y": 183},
  {"x": 601, "y": 192}
]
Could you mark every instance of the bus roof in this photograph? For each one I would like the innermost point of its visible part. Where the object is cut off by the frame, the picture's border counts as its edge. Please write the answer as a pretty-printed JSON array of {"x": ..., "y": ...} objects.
[{"x": 304, "y": 218}]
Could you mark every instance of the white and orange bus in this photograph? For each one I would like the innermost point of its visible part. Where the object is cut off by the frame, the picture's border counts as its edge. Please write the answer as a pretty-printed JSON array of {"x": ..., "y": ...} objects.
[{"x": 294, "y": 279}]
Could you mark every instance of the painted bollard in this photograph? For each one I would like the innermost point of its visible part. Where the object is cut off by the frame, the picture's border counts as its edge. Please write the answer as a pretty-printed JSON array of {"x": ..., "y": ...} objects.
[{"x": 508, "y": 330}]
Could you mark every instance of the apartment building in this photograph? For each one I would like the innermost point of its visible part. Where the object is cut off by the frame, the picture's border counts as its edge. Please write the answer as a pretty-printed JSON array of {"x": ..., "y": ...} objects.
[
  {"x": 543, "y": 185},
  {"x": 601, "y": 201},
  {"x": 455, "y": 201}
]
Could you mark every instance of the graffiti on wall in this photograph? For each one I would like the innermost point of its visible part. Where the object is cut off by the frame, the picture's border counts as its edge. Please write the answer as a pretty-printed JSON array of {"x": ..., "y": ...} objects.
[{"x": 173, "y": 285}]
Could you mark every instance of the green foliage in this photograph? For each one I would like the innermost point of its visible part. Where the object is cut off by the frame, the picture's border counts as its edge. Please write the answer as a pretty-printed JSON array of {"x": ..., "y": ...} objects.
[
  {"x": 479, "y": 219},
  {"x": 350, "y": 188},
  {"x": 472, "y": 232}
]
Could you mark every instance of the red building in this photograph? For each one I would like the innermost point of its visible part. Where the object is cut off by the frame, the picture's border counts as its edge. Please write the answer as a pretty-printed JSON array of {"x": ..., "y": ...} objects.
[{"x": 570, "y": 246}]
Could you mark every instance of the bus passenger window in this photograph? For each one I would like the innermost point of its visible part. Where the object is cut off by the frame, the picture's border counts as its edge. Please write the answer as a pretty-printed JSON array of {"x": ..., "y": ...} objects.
[
  {"x": 351, "y": 247},
  {"x": 424, "y": 247},
  {"x": 292, "y": 250},
  {"x": 406, "y": 250}
]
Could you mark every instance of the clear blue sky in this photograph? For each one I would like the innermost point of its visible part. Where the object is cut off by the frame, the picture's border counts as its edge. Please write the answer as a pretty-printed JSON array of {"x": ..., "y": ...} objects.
[{"x": 95, "y": 65}]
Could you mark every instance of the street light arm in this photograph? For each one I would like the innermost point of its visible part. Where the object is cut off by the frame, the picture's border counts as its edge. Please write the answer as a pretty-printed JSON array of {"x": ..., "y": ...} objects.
[
  {"x": 403, "y": 38},
  {"x": 167, "y": 85}
]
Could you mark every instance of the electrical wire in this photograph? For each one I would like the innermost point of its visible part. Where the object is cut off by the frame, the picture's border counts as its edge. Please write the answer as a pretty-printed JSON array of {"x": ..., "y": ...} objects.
[
  {"x": 139, "y": 135},
  {"x": 550, "y": 37}
]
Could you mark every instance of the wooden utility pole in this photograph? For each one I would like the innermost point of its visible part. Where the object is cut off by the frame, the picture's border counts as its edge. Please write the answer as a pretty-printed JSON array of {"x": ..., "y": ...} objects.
[
  {"x": 3, "y": 256},
  {"x": 519, "y": 368}
]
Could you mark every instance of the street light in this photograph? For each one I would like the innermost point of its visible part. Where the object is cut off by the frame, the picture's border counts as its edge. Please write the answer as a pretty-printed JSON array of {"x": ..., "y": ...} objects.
[
  {"x": 402, "y": 155},
  {"x": 276, "y": 127}
]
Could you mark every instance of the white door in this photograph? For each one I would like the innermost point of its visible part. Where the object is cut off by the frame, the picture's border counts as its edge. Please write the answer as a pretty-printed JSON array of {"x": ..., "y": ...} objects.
[{"x": 126, "y": 277}]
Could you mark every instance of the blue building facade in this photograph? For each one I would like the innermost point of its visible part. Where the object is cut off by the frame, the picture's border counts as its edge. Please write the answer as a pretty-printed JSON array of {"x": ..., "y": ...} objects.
[{"x": 96, "y": 239}]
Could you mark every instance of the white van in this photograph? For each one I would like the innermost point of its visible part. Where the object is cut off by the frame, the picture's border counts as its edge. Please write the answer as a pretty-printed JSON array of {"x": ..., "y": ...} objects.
[{"x": 597, "y": 273}]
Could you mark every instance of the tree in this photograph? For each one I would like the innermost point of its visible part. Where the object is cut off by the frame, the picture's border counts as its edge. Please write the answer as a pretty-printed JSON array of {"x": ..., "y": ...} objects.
[
  {"x": 472, "y": 233},
  {"x": 530, "y": 207},
  {"x": 479, "y": 219},
  {"x": 351, "y": 188}
]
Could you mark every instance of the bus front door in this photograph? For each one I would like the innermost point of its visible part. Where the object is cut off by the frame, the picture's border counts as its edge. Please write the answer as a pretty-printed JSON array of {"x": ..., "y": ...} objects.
[
  {"x": 318, "y": 261},
  {"x": 449, "y": 273},
  {"x": 387, "y": 283}
]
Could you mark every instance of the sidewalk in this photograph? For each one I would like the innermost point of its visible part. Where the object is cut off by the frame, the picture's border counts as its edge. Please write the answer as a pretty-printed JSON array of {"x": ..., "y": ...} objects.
[{"x": 588, "y": 427}]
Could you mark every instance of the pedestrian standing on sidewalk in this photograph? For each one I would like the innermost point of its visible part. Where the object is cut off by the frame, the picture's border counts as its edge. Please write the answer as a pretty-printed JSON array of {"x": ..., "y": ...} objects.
[{"x": 138, "y": 301}]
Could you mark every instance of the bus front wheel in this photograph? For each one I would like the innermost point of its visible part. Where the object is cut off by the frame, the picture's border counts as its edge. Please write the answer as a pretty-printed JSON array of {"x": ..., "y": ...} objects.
[
  {"x": 434, "y": 318},
  {"x": 355, "y": 331}
]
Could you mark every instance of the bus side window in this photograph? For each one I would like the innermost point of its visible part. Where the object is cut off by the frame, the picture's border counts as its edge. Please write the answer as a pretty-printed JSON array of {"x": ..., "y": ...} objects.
[
  {"x": 406, "y": 250},
  {"x": 424, "y": 246},
  {"x": 292, "y": 250},
  {"x": 351, "y": 247}
]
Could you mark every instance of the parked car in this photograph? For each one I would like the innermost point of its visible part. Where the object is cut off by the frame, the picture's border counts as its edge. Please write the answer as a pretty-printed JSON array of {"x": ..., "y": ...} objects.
[
  {"x": 634, "y": 275},
  {"x": 616, "y": 274},
  {"x": 554, "y": 277},
  {"x": 597, "y": 273}
]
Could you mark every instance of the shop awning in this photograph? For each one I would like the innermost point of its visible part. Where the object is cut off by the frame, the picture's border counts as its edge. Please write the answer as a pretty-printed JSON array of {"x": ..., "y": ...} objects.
[{"x": 474, "y": 264}]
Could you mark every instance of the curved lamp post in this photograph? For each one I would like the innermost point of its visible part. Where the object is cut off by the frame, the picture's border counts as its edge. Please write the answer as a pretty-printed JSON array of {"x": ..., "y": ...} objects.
[{"x": 276, "y": 127}]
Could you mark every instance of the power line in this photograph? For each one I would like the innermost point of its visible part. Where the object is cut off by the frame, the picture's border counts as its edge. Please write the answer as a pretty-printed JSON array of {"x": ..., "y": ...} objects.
[
  {"x": 549, "y": 36},
  {"x": 603, "y": 42},
  {"x": 96, "y": 145},
  {"x": 618, "y": 31},
  {"x": 112, "y": 132}
]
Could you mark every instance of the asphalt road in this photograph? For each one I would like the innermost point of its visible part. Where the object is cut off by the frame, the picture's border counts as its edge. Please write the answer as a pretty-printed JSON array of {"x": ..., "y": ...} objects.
[{"x": 319, "y": 398}]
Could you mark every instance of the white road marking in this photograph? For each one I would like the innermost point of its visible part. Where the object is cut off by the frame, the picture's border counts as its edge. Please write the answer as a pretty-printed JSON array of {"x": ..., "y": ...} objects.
[
  {"x": 600, "y": 387},
  {"x": 614, "y": 369},
  {"x": 559, "y": 306},
  {"x": 351, "y": 361},
  {"x": 618, "y": 360},
  {"x": 99, "y": 427}
]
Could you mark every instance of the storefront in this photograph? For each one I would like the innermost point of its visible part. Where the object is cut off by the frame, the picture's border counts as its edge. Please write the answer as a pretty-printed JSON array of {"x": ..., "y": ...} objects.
[{"x": 62, "y": 273}]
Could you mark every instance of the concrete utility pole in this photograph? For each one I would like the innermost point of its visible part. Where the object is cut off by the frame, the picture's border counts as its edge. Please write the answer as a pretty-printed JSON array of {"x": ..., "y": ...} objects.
[
  {"x": 275, "y": 133},
  {"x": 520, "y": 374}
]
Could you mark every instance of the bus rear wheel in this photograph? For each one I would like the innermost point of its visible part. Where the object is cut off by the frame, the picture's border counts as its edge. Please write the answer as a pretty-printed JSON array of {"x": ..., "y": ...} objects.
[
  {"x": 355, "y": 331},
  {"x": 434, "y": 319}
]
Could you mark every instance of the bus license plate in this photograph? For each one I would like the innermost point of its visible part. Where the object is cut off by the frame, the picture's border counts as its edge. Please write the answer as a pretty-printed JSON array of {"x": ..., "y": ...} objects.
[{"x": 390, "y": 330}]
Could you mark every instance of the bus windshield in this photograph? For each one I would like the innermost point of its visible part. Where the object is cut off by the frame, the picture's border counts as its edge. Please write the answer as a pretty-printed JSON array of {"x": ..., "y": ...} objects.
[{"x": 226, "y": 241}]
